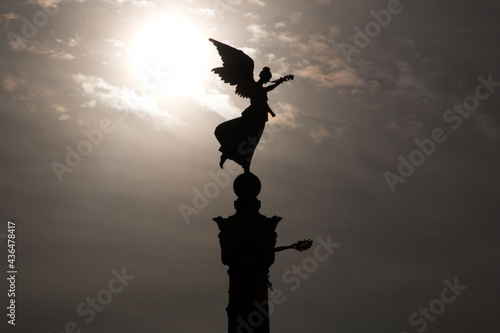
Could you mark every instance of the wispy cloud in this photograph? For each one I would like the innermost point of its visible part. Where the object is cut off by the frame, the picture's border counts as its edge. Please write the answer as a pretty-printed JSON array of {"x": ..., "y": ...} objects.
[
  {"x": 114, "y": 42},
  {"x": 407, "y": 126},
  {"x": 17, "y": 44},
  {"x": 259, "y": 3},
  {"x": 63, "y": 115},
  {"x": 252, "y": 16},
  {"x": 258, "y": 32},
  {"x": 118, "y": 98},
  {"x": 7, "y": 18},
  {"x": 47, "y": 3},
  {"x": 10, "y": 82},
  {"x": 219, "y": 103},
  {"x": 74, "y": 41},
  {"x": 320, "y": 135},
  {"x": 325, "y": 79},
  {"x": 320, "y": 60},
  {"x": 334, "y": 30},
  {"x": 286, "y": 115},
  {"x": 53, "y": 3},
  {"x": 43, "y": 49},
  {"x": 315, "y": 57},
  {"x": 125, "y": 99},
  {"x": 136, "y": 3}
]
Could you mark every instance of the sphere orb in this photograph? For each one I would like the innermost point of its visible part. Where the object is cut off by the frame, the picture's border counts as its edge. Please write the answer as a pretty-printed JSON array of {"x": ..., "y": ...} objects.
[{"x": 247, "y": 185}]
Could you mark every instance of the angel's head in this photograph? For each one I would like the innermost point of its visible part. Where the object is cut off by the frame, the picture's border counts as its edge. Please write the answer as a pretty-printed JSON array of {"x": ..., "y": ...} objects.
[{"x": 265, "y": 75}]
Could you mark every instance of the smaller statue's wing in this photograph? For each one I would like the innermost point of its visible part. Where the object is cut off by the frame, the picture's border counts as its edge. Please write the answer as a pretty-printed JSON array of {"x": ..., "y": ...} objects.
[{"x": 237, "y": 68}]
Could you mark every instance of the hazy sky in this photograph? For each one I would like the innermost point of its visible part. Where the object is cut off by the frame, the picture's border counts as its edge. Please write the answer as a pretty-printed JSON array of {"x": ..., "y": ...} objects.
[{"x": 386, "y": 144}]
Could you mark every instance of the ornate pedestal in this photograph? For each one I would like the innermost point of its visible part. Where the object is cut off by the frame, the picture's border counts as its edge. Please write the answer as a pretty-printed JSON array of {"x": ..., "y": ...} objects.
[{"x": 247, "y": 241}]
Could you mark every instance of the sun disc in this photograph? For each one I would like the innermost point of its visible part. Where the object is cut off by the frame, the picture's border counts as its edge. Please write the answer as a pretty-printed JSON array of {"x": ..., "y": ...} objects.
[{"x": 169, "y": 55}]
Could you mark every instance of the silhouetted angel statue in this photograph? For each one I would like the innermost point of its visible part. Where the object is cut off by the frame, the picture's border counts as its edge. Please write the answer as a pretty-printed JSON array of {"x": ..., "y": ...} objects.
[{"x": 239, "y": 137}]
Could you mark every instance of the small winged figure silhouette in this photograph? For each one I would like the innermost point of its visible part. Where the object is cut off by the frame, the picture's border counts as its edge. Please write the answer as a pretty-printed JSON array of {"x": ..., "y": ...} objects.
[{"x": 239, "y": 137}]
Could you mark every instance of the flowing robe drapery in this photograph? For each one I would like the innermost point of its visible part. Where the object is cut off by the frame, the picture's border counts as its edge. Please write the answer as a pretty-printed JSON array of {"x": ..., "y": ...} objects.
[{"x": 239, "y": 137}]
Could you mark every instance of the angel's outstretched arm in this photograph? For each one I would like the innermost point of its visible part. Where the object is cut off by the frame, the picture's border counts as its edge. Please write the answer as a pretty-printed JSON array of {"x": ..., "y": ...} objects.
[
  {"x": 278, "y": 82},
  {"x": 272, "y": 86}
]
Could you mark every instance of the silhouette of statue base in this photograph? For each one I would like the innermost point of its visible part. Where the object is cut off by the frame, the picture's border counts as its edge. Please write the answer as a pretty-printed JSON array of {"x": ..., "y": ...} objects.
[{"x": 247, "y": 240}]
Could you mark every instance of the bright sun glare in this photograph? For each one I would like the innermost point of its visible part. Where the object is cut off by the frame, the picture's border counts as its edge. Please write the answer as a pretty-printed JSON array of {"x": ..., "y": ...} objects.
[{"x": 168, "y": 56}]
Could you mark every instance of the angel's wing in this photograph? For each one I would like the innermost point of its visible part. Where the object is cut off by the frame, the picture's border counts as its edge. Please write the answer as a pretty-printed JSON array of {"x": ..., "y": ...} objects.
[{"x": 237, "y": 68}]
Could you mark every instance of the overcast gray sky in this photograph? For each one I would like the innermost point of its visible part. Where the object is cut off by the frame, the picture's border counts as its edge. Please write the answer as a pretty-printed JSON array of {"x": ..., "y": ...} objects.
[{"x": 386, "y": 143}]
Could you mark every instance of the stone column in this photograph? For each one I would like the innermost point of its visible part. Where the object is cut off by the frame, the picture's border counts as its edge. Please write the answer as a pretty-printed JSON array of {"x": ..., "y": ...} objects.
[{"x": 247, "y": 241}]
